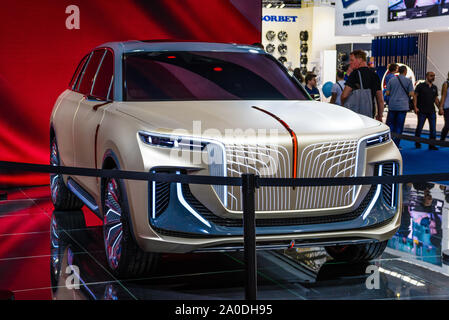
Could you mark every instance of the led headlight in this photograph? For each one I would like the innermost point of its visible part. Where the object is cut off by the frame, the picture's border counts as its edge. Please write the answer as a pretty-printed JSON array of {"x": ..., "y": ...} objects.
[
  {"x": 172, "y": 141},
  {"x": 215, "y": 150},
  {"x": 378, "y": 139}
]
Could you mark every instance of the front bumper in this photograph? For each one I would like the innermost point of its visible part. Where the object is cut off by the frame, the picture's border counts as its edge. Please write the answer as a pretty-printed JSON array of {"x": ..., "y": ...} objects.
[{"x": 185, "y": 225}]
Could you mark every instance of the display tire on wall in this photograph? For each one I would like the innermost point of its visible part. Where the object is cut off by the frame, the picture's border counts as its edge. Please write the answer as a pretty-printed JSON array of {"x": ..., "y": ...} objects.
[
  {"x": 357, "y": 252},
  {"x": 125, "y": 258},
  {"x": 61, "y": 196}
]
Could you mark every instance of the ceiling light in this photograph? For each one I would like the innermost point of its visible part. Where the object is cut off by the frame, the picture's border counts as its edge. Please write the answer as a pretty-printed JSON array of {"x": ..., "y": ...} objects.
[
  {"x": 282, "y": 5},
  {"x": 268, "y": 5}
]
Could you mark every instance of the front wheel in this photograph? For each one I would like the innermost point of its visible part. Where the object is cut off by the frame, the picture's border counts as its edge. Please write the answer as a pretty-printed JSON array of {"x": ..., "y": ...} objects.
[
  {"x": 124, "y": 256},
  {"x": 357, "y": 252}
]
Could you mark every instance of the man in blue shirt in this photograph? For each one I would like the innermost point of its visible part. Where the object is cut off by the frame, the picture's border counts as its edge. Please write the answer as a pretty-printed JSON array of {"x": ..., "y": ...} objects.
[
  {"x": 392, "y": 70},
  {"x": 311, "y": 88},
  {"x": 399, "y": 90}
]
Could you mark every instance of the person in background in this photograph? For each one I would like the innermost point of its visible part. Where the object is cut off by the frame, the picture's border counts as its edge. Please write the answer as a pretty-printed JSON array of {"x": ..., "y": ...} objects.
[
  {"x": 311, "y": 88},
  {"x": 338, "y": 87},
  {"x": 347, "y": 70},
  {"x": 297, "y": 74},
  {"x": 370, "y": 80},
  {"x": 392, "y": 70},
  {"x": 444, "y": 108},
  {"x": 426, "y": 96},
  {"x": 399, "y": 90}
]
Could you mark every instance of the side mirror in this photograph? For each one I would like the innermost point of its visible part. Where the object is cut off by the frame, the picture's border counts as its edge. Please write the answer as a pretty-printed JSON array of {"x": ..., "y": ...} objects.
[{"x": 92, "y": 98}]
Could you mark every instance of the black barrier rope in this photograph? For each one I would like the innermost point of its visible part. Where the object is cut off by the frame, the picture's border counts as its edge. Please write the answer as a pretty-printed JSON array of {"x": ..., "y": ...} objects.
[
  {"x": 216, "y": 180},
  {"x": 249, "y": 183},
  {"x": 432, "y": 142}
]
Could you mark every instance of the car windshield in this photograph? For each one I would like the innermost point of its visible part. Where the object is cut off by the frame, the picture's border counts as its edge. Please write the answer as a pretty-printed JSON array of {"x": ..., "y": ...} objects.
[{"x": 183, "y": 75}]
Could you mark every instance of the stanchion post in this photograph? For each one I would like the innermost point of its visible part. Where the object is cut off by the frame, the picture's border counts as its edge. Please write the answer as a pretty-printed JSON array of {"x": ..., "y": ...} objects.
[{"x": 249, "y": 230}]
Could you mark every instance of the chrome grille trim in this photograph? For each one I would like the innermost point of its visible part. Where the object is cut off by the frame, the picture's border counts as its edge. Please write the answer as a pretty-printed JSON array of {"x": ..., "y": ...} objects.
[
  {"x": 262, "y": 160},
  {"x": 326, "y": 160},
  {"x": 343, "y": 158}
]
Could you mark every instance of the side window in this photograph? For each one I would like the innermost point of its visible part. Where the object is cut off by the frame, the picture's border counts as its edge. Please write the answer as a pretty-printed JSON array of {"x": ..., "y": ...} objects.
[
  {"x": 88, "y": 74},
  {"x": 78, "y": 71},
  {"x": 103, "y": 87}
]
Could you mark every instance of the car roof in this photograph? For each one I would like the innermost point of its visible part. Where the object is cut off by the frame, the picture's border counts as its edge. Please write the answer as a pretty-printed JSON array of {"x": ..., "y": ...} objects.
[{"x": 167, "y": 45}]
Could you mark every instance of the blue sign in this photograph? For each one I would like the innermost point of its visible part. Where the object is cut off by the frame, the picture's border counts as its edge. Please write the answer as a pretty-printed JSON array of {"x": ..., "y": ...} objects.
[
  {"x": 268, "y": 18},
  {"x": 347, "y": 3}
]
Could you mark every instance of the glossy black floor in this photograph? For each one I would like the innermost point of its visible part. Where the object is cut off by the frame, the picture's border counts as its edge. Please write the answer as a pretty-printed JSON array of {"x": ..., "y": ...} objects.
[{"x": 410, "y": 268}]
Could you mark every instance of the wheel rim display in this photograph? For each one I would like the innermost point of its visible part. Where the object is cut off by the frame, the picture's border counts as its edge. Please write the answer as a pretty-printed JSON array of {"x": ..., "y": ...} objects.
[
  {"x": 112, "y": 224},
  {"x": 54, "y": 161}
]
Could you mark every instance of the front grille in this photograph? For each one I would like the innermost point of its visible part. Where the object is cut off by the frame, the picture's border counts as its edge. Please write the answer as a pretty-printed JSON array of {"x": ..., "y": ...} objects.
[
  {"x": 226, "y": 222},
  {"x": 327, "y": 160},
  {"x": 321, "y": 160}
]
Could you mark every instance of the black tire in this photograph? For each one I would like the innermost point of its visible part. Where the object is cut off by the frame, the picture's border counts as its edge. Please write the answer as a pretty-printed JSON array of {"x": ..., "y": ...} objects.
[
  {"x": 357, "y": 252},
  {"x": 62, "y": 225},
  {"x": 61, "y": 196},
  {"x": 125, "y": 259}
]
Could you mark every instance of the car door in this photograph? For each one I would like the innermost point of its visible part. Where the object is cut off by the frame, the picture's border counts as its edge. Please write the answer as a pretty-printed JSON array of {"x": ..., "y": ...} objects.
[
  {"x": 64, "y": 112},
  {"x": 97, "y": 88}
]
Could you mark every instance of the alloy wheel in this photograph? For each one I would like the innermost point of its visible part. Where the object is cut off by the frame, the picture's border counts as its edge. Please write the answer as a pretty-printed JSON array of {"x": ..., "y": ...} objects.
[
  {"x": 112, "y": 224},
  {"x": 54, "y": 161}
]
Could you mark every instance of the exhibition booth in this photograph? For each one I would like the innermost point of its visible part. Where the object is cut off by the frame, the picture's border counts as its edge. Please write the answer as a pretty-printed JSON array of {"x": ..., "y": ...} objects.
[
  {"x": 309, "y": 41},
  {"x": 414, "y": 34},
  {"x": 162, "y": 150}
]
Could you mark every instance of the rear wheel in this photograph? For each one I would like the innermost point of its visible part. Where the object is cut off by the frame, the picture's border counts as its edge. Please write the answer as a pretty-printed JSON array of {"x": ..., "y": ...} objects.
[
  {"x": 61, "y": 196},
  {"x": 357, "y": 252},
  {"x": 124, "y": 256}
]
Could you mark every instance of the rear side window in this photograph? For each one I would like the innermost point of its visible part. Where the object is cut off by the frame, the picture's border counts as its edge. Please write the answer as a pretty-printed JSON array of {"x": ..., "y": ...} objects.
[
  {"x": 88, "y": 74},
  {"x": 78, "y": 71},
  {"x": 103, "y": 81}
]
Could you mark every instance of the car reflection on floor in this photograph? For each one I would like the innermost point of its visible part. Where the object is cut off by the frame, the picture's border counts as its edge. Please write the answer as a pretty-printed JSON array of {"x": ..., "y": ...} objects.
[
  {"x": 425, "y": 209},
  {"x": 42, "y": 262},
  {"x": 302, "y": 273}
]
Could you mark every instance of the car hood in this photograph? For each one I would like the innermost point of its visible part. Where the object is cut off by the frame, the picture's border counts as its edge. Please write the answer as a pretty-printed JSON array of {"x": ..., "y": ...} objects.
[{"x": 303, "y": 117}]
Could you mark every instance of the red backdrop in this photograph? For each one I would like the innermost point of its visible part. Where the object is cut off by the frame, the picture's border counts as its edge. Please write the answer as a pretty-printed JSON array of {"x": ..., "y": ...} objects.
[{"x": 38, "y": 55}]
